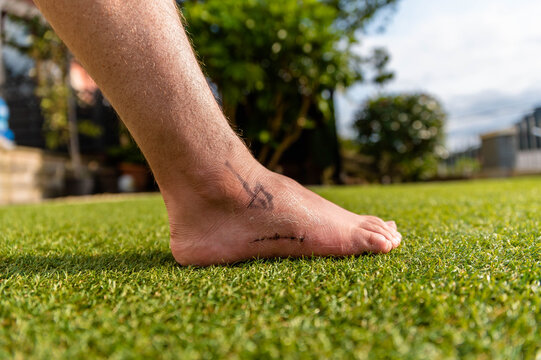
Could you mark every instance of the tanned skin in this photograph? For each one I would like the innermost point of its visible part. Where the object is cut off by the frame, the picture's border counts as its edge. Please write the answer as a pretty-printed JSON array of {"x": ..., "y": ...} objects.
[{"x": 223, "y": 205}]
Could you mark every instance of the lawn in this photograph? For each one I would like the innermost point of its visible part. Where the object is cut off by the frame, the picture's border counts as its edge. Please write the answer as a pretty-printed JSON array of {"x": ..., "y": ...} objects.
[{"x": 93, "y": 279}]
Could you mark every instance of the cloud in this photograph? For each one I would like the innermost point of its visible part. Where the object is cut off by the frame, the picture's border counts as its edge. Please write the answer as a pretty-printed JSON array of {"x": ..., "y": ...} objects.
[{"x": 474, "y": 56}]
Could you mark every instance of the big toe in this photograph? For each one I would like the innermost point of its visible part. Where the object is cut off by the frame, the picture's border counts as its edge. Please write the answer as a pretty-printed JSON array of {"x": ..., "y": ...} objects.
[{"x": 376, "y": 225}]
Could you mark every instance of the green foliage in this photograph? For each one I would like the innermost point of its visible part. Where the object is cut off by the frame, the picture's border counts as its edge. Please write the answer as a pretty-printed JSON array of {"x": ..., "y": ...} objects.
[
  {"x": 95, "y": 279},
  {"x": 354, "y": 15},
  {"x": 51, "y": 71},
  {"x": 380, "y": 59},
  {"x": 127, "y": 151},
  {"x": 88, "y": 128},
  {"x": 403, "y": 134},
  {"x": 277, "y": 60},
  {"x": 466, "y": 166},
  {"x": 463, "y": 167}
]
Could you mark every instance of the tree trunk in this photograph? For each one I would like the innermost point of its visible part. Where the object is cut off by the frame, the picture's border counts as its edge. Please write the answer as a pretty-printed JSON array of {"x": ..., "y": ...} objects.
[
  {"x": 274, "y": 128},
  {"x": 293, "y": 135},
  {"x": 2, "y": 70},
  {"x": 74, "y": 150}
]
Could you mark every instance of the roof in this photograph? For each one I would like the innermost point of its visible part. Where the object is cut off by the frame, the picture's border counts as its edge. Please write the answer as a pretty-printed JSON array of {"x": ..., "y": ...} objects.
[{"x": 504, "y": 132}]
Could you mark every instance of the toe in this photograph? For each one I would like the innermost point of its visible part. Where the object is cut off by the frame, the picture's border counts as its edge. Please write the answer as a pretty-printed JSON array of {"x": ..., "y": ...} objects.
[
  {"x": 392, "y": 224},
  {"x": 398, "y": 235},
  {"x": 382, "y": 228},
  {"x": 383, "y": 231},
  {"x": 373, "y": 242},
  {"x": 399, "y": 239}
]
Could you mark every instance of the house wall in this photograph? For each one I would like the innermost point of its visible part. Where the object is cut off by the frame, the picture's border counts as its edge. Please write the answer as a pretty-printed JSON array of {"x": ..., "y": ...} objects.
[
  {"x": 513, "y": 151},
  {"x": 528, "y": 162},
  {"x": 29, "y": 175}
]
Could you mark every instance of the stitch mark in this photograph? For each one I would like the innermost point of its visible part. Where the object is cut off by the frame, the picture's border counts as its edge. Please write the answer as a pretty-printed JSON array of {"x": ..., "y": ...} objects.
[{"x": 277, "y": 237}]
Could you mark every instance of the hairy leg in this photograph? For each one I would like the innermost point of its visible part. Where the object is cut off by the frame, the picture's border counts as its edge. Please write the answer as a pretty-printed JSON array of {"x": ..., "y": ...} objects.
[{"x": 223, "y": 206}]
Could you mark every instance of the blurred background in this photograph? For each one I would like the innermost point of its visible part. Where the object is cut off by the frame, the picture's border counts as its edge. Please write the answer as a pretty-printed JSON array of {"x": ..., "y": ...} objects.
[{"x": 324, "y": 91}]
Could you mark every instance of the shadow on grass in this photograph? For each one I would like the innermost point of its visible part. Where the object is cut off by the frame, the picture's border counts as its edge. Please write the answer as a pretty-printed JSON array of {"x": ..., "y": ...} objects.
[
  {"x": 123, "y": 262},
  {"x": 305, "y": 259},
  {"x": 127, "y": 262}
]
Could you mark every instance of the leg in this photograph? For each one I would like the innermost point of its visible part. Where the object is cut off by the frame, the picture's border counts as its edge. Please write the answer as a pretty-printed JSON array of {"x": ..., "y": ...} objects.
[{"x": 223, "y": 206}]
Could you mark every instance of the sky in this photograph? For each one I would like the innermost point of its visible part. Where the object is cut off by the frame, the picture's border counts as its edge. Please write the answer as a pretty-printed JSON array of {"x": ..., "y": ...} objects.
[{"x": 481, "y": 59}]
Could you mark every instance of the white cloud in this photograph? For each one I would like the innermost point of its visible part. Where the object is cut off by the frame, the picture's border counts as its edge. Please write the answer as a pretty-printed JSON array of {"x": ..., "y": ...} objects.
[{"x": 473, "y": 55}]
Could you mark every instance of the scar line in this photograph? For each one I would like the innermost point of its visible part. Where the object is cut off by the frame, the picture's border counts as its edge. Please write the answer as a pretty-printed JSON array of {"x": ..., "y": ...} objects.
[{"x": 277, "y": 237}]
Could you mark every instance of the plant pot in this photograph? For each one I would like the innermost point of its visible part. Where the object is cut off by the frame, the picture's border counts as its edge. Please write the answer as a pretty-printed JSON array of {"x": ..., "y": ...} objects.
[
  {"x": 107, "y": 180},
  {"x": 79, "y": 186},
  {"x": 139, "y": 173}
]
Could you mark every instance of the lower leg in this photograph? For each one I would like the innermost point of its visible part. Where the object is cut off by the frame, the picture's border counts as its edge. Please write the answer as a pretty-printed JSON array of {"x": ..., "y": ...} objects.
[{"x": 223, "y": 206}]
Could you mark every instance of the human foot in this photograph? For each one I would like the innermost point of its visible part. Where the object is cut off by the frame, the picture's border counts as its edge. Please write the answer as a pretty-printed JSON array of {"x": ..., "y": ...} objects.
[{"x": 241, "y": 212}]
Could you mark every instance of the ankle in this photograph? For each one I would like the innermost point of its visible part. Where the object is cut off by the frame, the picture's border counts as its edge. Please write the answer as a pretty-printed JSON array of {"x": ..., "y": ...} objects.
[
  {"x": 221, "y": 181},
  {"x": 228, "y": 181}
]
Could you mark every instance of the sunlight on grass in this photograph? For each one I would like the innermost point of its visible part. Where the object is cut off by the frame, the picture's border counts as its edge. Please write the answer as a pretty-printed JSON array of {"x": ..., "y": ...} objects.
[{"x": 80, "y": 280}]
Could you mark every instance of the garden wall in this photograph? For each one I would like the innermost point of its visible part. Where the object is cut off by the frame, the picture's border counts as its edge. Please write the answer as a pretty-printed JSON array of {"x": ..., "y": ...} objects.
[
  {"x": 29, "y": 175},
  {"x": 529, "y": 162}
]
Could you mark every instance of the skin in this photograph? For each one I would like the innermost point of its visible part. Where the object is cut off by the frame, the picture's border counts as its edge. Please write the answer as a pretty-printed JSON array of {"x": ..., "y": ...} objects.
[{"x": 223, "y": 206}]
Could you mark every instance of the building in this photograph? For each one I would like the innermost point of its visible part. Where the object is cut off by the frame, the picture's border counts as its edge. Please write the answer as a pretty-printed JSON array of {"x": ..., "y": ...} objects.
[
  {"x": 19, "y": 8},
  {"x": 529, "y": 131},
  {"x": 513, "y": 151},
  {"x": 30, "y": 172}
]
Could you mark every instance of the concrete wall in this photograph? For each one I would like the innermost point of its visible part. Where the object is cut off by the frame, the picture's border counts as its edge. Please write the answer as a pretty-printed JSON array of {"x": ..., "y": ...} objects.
[
  {"x": 30, "y": 175},
  {"x": 528, "y": 162},
  {"x": 502, "y": 155}
]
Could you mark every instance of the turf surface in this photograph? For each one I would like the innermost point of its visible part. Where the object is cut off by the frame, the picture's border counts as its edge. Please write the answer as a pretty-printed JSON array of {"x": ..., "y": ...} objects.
[{"x": 95, "y": 279}]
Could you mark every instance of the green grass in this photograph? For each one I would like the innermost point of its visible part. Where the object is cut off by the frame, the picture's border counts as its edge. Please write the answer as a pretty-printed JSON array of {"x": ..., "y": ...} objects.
[{"x": 95, "y": 279}]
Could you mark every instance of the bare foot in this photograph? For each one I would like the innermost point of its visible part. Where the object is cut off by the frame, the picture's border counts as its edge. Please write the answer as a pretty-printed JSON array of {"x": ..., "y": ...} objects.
[
  {"x": 240, "y": 212},
  {"x": 223, "y": 206}
]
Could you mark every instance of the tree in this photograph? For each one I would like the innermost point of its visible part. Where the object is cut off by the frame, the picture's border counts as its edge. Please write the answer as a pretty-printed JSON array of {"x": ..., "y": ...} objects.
[
  {"x": 354, "y": 15},
  {"x": 277, "y": 62},
  {"x": 402, "y": 134},
  {"x": 58, "y": 105},
  {"x": 380, "y": 59}
]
